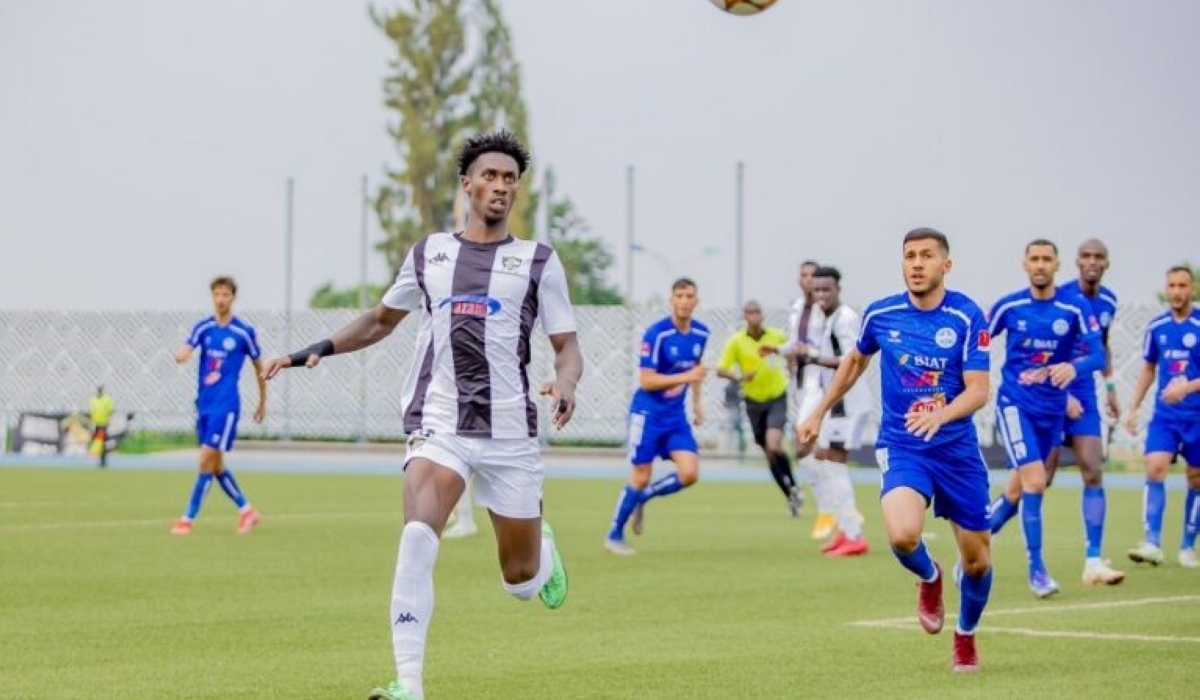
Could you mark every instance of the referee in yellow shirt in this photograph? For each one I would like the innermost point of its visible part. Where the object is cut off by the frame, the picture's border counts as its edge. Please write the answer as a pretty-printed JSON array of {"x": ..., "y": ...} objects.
[
  {"x": 101, "y": 409},
  {"x": 764, "y": 383}
]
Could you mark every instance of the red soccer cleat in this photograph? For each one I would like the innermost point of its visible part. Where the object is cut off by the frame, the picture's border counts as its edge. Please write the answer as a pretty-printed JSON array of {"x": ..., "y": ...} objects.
[
  {"x": 966, "y": 659},
  {"x": 834, "y": 542},
  {"x": 849, "y": 548},
  {"x": 930, "y": 611},
  {"x": 247, "y": 521},
  {"x": 182, "y": 526}
]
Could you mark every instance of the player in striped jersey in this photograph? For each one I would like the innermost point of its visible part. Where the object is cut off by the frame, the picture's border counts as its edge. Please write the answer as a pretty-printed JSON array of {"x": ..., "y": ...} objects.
[
  {"x": 224, "y": 341},
  {"x": 466, "y": 402}
]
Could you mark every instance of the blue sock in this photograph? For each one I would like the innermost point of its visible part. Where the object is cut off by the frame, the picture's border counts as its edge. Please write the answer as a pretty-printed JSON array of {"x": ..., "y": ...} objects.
[
  {"x": 1191, "y": 518},
  {"x": 974, "y": 598},
  {"x": 1153, "y": 504},
  {"x": 665, "y": 486},
  {"x": 230, "y": 486},
  {"x": 1000, "y": 512},
  {"x": 918, "y": 561},
  {"x": 199, "y": 491},
  {"x": 626, "y": 502},
  {"x": 1031, "y": 521},
  {"x": 1094, "y": 508}
]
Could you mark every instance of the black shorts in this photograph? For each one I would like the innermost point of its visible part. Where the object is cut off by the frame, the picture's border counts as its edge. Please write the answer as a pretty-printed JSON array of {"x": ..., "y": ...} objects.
[{"x": 764, "y": 415}]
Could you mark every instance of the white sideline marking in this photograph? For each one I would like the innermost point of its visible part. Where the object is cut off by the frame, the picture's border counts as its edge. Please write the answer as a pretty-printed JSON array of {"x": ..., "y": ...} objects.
[
  {"x": 907, "y": 623},
  {"x": 166, "y": 521}
]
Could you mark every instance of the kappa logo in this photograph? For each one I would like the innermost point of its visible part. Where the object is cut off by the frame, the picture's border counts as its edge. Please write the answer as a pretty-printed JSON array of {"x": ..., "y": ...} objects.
[
  {"x": 510, "y": 263},
  {"x": 405, "y": 618},
  {"x": 440, "y": 258}
]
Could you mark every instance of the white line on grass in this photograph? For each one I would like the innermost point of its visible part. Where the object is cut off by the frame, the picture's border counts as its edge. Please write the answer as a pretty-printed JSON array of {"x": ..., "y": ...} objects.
[
  {"x": 906, "y": 623},
  {"x": 25, "y": 527}
]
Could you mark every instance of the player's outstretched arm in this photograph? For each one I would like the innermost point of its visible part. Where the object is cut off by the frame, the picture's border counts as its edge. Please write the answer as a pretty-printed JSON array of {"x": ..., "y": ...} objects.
[
  {"x": 849, "y": 370},
  {"x": 183, "y": 354},
  {"x": 371, "y": 327},
  {"x": 568, "y": 368}
]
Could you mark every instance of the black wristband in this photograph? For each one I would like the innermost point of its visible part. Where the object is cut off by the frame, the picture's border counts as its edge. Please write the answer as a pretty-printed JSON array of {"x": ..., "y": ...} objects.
[{"x": 323, "y": 348}]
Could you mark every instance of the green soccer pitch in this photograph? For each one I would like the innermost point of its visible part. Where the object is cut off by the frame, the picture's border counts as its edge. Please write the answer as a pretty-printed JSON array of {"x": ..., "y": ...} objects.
[{"x": 727, "y": 598}]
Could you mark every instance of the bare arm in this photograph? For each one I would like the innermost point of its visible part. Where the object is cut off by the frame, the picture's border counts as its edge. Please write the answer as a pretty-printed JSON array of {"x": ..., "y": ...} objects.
[
  {"x": 568, "y": 368},
  {"x": 183, "y": 354},
  {"x": 654, "y": 381},
  {"x": 697, "y": 402},
  {"x": 1144, "y": 380},
  {"x": 849, "y": 368},
  {"x": 366, "y": 330},
  {"x": 261, "y": 411}
]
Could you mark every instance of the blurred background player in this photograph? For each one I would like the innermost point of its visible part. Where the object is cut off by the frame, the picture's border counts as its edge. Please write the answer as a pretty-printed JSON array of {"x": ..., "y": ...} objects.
[
  {"x": 1052, "y": 339},
  {"x": 1171, "y": 349},
  {"x": 100, "y": 408},
  {"x": 764, "y": 384},
  {"x": 224, "y": 341},
  {"x": 462, "y": 519},
  {"x": 933, "y": 344},
  {"x": 804, "y": 326},
  {"x": 842, "y": 429},
  {"x": 1082, "y": 428},
  {"x": 658, "y": 424},
  {"x": 467, "y": 409}
]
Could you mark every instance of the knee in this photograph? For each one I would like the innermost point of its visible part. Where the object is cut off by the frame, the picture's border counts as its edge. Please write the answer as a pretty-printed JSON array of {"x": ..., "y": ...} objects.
[
  {"x": 1093, "y": 476},
  {"x": 688, "y": 475},
  {"x": 976, "y": 564},
  {"x": 904, "y": 542},
  {"x": 640, "y": 479},
  {"x": 1193, "y": 478}
]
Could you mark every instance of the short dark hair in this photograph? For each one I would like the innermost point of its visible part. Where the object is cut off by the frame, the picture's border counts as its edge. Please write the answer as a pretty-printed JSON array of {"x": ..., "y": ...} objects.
[
  {"x": 683, "y": 283},
  {"x": 1041, "y": 241},
  {"x": 828, "y": 271},
  {"x": 928, "y": 234},
  {"x": 223, "y": 281},
  {"x": 502, "y": 141},
  {"x": 1182, "y": 268},
  {"x": 810, "y": 263}
]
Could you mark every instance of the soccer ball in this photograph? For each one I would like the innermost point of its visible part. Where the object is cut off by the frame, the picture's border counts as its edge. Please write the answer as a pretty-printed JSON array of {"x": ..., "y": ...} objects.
[{"x": 743, "y": 7}]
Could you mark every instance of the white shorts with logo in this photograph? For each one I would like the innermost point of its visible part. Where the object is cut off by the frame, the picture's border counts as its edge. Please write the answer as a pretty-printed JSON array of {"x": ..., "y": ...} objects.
[
  {"x": 508, "y": 471},
  {"x": 847, "y": 431}
]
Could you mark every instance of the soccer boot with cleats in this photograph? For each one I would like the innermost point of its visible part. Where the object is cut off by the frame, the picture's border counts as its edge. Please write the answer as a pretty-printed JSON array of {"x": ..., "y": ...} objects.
[
  {"x": 1098, "y": 572},
  {"x": 554, "y": 591},
  {"x": 824, "y": 526},
  {"x": 247, "y": 520},
  {"x": 1042, "y": 585},
  {"x": 1146, "y": 553},
  {"x": 182, "y": 526},
  {"x": 394, "y": 691},
  {"x": 966, "y": 658},
  {"x": 931, "y": 612},
  {"x": 1187, "y": 558}
]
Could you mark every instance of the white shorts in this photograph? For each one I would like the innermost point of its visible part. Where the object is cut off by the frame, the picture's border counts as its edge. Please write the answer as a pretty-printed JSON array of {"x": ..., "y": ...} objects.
[
  {"x": 847, "y": 430},
  {"x": 805, "y": 402},
  {"x": 508, "y": 472}
]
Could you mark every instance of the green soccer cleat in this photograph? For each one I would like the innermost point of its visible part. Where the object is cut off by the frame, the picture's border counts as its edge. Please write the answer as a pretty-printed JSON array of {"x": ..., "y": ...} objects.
[
  {"x": 394, "y": 691},
  {"x": 554, "y": 593}
]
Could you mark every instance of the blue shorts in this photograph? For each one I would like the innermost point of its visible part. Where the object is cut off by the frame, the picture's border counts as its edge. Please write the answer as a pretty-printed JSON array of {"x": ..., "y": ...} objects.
[
  {"x": 653, "y": 436},
  {"x": 1178, "y": 437},
  {"x": 953, "y": 476},
  {"x": 1086, "y": 425},
  {"x": 1027, "y": 437},
  {"x": 217, "y": 430}
]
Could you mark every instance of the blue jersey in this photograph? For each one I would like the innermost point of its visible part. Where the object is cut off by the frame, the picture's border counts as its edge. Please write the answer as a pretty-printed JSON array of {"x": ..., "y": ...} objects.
[
  {"x": 223, "y": 350},
  {"x": 667, "y": 350},
  {"x": 1174, "y": 348},
  {"x": 1041, "y": 333},
  {"x": 1102, "y": 307},
  {"x": 923, "y": 355}
]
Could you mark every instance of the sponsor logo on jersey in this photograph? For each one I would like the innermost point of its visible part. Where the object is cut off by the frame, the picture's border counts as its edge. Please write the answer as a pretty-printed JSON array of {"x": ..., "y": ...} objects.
[
  {"x": 1093, "y": 323},
  {"x": 471, "y": 305},
  {"x": 440, "y": 258}
]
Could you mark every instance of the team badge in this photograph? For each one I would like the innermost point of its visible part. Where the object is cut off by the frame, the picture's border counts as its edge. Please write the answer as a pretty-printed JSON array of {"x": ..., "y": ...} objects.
[
  {"x": 1189, "y": 340},
  {"x": 1060, "y": 326},
  {"x": 229, "y": 343},
  {"x": 945, "y": 337},
  {"x": 510, "y": 262},
  {"x": 1105, "y": 319}
]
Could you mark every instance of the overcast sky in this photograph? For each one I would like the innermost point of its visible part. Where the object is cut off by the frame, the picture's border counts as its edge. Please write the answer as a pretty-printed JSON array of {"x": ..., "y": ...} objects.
[{"x": 144, "y": 144}]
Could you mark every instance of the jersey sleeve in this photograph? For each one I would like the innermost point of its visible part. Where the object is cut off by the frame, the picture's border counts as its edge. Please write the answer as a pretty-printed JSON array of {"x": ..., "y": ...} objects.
[
  {"x": 253, "y": 350},
  {"x": 196, "y": 336},
  {"x": 405, "y": 293},
  {"x": 728, "y": 355},
  {"x": 648, "y": 355},
  {"x": 1150, "y": 347},
  {"x": 866, "y": 343},
  {"x": 845, "y": 329},
  {"x": 994, "y": 321},
  {"x": 1092, "y": 359},
  {"x": 554, "y": 299},
  {"x": 978, "y": 343}
]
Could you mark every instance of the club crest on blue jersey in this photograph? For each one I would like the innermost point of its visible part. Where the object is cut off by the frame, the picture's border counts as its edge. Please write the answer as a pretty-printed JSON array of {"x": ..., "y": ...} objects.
[{"x": 471, "y": 305}]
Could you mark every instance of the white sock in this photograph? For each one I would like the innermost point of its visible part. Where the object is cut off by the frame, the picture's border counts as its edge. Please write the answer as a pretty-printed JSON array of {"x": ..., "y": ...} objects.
[
  {"x": 412, "y": 603},
  {"x": 528, "y": 589},
  {"x": 841, "y": 489},
  {"x": 812, "y": 471}
]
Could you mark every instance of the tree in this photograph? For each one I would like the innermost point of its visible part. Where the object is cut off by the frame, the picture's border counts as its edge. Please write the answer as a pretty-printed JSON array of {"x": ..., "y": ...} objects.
[
  {"x": 1162, "y": 297},
  {"x": 585, "y": 257},
  {"x": 327, "y": 297}
]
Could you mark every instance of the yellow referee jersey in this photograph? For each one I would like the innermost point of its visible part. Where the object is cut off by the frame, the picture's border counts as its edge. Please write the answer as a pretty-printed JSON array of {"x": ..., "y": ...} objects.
[{"x": 770, "y": 373}]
